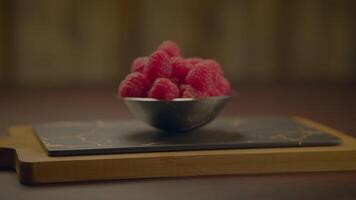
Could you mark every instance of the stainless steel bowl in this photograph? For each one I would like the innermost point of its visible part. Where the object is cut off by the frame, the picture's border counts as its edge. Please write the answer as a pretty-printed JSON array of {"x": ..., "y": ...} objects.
[{"x": 178, "y": 115}]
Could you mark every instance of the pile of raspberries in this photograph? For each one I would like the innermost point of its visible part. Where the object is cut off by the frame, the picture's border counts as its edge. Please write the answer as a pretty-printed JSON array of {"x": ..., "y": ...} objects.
[{"x": 166, "y": 75}]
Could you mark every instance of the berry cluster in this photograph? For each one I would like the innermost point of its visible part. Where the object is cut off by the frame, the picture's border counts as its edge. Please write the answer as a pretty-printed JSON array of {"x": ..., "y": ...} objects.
[{"x": 166, "y": 75}]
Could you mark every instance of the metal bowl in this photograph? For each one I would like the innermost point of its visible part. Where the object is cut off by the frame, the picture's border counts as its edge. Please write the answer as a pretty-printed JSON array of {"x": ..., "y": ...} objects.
[{"x": 178, "y": 115}]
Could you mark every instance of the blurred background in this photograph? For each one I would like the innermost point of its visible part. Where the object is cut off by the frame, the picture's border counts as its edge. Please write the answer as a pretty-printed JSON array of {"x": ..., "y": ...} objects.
[
  {"x": 61, "y": 60},
  {"x": 91, "y": 42}
]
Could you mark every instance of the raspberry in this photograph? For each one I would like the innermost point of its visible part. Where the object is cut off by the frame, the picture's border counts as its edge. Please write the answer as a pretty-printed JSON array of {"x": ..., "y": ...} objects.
[
  {"x": 201, "y": 77},
  {"x": 170, "y": 47},
  {"x": 190, "y": 94},
  {"x": 214, "y": 92},
  {"x": 194, "y": 60},
  {"x": 223, "y": 86},
  {"x": 180, "y": 69},
  {"x": 163, "y": 89},
  {"x": 158, "y": 66},
  {"x": 160, "y": 74},
  {"x": 134, "y": 85},
  {"x": 215, "y": 66},
  {"x": 186, "y": 88},
  {"x": 187, "y": 91},
  {"x": 138, "y": 65}
]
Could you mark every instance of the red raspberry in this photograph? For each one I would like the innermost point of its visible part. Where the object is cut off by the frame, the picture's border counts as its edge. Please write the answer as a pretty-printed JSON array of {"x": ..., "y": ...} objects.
[
  {"x": 158, "y": 66},
  {"x": 134, "y": 85},
  {"x": 170, "y": 47},
  {"x": 187, "y": 91},
  {"x": 163, "y": 89},
  {"x": 201, "y": 77},
  {"x": 180, "y": 69},
  {"x": 214, "y": 65},
  {"x": 223, "y": 86},
  {"x": 194, "y": 60},
  {"x": 215, "y": 68},
  {"x": 190, "y": 94},
  {"x": 186, "y": 88},
  {"x": 214, "y": 92},
  {"x": 138, "y": 65},
  {"x": 165, "y": 69}
]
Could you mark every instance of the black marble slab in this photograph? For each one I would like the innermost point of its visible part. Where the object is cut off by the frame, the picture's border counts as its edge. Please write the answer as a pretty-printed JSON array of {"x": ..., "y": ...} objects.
[{"x": 104, "y": 137}]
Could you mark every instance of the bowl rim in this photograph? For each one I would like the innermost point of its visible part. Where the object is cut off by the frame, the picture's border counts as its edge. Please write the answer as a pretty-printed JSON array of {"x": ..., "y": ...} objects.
[{"x": 145, "y": 99}]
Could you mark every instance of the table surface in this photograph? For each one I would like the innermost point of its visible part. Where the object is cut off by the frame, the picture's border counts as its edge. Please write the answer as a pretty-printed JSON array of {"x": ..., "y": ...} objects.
[{"x": 333, "y": 105}]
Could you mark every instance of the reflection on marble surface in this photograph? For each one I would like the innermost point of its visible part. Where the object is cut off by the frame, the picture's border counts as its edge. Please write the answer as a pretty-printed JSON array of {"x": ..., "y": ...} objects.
[{"x": 98, "y": 137}]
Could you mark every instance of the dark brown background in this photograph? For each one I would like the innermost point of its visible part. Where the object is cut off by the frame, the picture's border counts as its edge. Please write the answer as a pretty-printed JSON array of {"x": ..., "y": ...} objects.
[
  {"x": 63, "y": 59},
  {"x": 66, "y": 42}
]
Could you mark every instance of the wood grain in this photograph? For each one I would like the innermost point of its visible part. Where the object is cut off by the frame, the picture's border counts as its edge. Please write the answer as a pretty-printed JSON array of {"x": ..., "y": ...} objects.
[{"x": 34, "y": 166}]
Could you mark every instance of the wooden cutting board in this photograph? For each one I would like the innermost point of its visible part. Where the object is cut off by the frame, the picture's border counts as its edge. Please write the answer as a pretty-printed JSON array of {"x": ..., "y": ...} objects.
[{"x": 23, "y": 152}]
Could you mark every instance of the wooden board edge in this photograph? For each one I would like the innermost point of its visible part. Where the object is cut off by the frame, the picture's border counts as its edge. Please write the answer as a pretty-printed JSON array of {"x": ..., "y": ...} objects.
[
  {"x": 118, "y": 169},
  {"x": 37, "y": 172}
]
